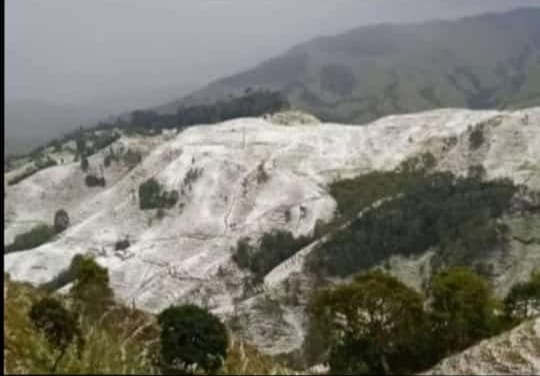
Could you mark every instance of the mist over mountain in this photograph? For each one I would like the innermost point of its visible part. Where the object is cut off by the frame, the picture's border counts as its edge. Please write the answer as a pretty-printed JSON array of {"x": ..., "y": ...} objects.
[
  {"x": 478, "y": 62},
  {"x": 30, "y": 123}
]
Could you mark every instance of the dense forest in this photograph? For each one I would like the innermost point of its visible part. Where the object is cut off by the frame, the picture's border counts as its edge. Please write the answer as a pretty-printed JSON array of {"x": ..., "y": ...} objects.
[{"x": 458, "y": 214}]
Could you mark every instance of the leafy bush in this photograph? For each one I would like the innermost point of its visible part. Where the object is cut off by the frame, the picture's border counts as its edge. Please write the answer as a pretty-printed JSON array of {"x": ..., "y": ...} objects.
[
  {"x": 152, "y": 196},
  {"x": 37, "y": 236},
  {"x": 523, "y": 300},
  {"x": 191, "y": 336},
  {"x": 93, "y": 181},
  {"x": 91, "y": 291},
  {"x": 58, "y": 325},
  {"x": 124, "y": 341},
  {"x": 462, "y": 309}
]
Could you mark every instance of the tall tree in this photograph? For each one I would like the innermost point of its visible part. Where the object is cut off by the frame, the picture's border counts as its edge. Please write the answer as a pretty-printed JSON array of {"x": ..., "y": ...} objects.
[
  {"x": 462, "y": 308},
  {"x": 374, "y": 324}
]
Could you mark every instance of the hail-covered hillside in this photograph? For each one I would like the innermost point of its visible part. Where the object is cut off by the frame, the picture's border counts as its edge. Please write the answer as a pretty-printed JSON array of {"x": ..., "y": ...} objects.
[{"x": 244, "y": 178}]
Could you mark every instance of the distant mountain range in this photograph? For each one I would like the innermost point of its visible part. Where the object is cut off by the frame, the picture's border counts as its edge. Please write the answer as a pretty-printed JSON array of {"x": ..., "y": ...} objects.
[
  {"x": 32, "y": 123},
  {"x": 486, "y": 61}
]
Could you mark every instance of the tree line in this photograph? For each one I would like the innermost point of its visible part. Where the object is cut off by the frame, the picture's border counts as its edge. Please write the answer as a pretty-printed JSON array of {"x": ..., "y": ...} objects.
[{"x": 377, "y": 325}]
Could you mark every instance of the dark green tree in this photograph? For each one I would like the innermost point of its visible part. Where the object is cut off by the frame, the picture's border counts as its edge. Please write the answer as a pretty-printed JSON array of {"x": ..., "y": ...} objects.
[
  {"x": 91, "y": 291},
  {"x": 153, "y": 196},
  {"x": 523, "y": 300},
  {"x": 462, "y": 309},
  {"x": 61, "y": 220},
  {"x": 191, "y": 337},
  {"x": 375, "y": 324},
  {"x": 59, "y": 327}
]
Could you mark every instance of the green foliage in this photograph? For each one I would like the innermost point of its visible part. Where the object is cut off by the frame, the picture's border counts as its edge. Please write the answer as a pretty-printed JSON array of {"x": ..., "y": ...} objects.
[
  {"x": 375, "y": 324},
  {"x": 191, "y": 336},
  {"x": 61, "y": 220},
  {"x": 436, "y": 209},
  {"x": 353, "y": 195},
  {"x": 92, "y": 140},
  {"x": 523, "y": 300},
  {"x": 252, "y": 103},
  {"x": 462, "y": 309},
  {"x": 58, "y": 325},
  {"x": 152, "y": 196},
  {"x": 37, "y": 236},
  {"x": 275, "y": 247},
  {"x": 91, "y": 291}
]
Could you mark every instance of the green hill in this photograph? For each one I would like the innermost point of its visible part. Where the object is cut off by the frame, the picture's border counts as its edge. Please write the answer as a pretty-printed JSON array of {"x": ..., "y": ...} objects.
[{"x": 487, "y": 61}]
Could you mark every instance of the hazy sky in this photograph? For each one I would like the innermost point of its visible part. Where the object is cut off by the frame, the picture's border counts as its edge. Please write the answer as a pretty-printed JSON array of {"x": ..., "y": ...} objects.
[{"x": 76, "y": 50}]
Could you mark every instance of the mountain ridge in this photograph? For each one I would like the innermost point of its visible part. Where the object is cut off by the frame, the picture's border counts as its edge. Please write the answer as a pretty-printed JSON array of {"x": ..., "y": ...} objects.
[{"x": 372, "y": 71}]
